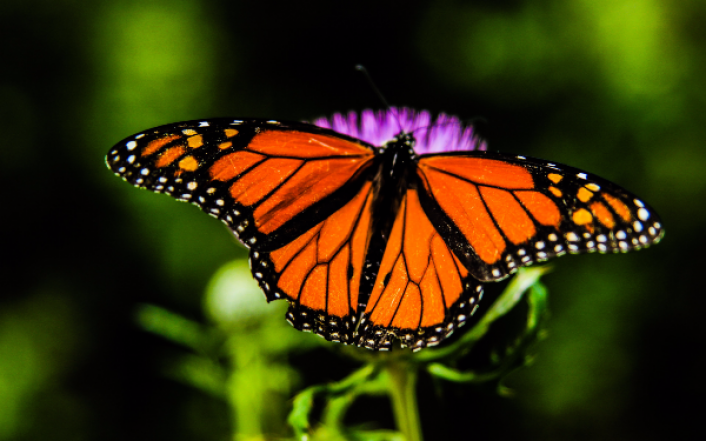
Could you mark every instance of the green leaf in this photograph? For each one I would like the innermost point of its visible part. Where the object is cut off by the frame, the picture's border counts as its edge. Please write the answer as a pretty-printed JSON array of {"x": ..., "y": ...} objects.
[
  {"x": 513, "y": 293},
  {"x": 505, "y": 334}
]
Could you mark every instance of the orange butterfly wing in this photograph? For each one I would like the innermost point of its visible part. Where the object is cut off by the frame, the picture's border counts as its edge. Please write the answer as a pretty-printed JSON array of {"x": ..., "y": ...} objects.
[
  {"x": 500, "y": 212},
  {"x": 422, "y": 292},
  {"x": 299, "y": 196},
  {"x": 320, "y": 271}
]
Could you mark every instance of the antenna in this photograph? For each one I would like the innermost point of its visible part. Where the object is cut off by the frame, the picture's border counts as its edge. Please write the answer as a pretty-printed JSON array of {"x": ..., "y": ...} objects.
[{"x": 360, "y": 68}]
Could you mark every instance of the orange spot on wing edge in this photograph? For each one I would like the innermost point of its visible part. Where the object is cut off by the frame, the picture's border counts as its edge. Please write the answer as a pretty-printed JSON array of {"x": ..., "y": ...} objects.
[{"x": 157, "y": 144}]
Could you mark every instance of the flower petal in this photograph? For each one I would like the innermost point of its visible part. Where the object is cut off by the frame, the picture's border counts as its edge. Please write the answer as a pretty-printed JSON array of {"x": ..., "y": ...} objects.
[{"x": 445, "y": 134}]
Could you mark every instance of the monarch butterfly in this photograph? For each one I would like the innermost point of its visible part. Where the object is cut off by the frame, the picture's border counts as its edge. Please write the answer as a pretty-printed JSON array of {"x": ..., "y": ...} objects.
[{"x": 383, "y": 228}]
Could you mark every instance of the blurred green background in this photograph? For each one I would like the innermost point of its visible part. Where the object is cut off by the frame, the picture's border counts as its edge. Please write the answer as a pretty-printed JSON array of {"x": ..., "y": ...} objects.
[{"x": 617, "y": 88}]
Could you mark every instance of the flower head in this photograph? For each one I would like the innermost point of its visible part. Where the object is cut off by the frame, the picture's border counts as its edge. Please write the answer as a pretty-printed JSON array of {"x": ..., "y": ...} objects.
[{"x": 444, "y": 134}]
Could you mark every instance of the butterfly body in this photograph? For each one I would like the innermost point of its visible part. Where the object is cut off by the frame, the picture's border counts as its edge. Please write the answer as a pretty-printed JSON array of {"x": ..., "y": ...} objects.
[{"x": 375, "y": 243}]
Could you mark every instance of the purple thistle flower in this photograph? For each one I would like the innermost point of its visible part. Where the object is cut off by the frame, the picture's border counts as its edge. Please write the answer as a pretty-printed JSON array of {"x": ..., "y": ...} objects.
[{"x": 445, "y": 134}]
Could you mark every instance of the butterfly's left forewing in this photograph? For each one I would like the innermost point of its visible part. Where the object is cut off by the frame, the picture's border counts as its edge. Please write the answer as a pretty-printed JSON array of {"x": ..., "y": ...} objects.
[{"x": 500, "y": 212}]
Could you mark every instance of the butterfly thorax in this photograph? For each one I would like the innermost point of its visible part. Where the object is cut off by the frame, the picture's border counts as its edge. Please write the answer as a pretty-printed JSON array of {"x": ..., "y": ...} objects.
[
  {"x": 397, "y": 162},
  {"x": 398, "y": 155}
]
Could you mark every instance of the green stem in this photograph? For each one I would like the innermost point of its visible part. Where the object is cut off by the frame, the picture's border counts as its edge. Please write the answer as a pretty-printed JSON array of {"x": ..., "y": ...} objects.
[{"x": 403, "y": 393}]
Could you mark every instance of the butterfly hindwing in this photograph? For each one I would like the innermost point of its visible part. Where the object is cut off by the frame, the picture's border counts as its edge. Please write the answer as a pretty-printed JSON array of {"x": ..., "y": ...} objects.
[
  {"x": 500, "y": 212},
  {"x": 422, "y": 292},
  {"x": 320, "y": 271}
]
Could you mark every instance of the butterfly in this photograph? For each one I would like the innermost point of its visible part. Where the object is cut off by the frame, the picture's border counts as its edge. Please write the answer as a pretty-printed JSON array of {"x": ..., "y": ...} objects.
[{"x": 383, "y": 227}]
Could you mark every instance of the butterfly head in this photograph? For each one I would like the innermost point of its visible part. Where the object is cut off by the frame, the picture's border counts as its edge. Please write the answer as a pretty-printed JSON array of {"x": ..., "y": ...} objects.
[{"x": 402, "y": 141}]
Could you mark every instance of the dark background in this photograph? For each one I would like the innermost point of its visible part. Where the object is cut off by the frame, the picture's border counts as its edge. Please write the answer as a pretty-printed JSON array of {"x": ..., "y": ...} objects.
[{"x": 617, "y": 88}]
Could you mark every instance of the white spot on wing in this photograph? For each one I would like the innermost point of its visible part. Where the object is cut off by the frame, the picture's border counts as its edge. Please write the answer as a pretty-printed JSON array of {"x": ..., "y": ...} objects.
[{"x": 643, "y": 214}]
